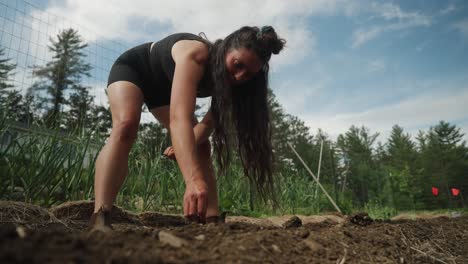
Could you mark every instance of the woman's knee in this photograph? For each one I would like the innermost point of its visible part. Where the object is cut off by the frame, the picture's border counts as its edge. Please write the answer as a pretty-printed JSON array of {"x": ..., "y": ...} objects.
[{"x": 125, "y": 131}]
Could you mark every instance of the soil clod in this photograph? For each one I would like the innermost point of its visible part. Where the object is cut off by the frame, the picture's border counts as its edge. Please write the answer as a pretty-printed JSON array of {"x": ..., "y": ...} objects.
[
  {"x": 362, "y": 219},
  {"x": 313, "y": 245},
  {"x": 172, "y": 240},
  {"x": 293, "y": 222}
]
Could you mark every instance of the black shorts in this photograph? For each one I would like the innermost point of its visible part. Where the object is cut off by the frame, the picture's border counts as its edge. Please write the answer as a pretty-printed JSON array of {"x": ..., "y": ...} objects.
[{"x": 134, "y": 66}]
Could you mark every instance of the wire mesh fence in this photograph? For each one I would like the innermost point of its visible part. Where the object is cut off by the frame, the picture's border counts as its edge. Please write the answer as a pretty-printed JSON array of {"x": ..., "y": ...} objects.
[
  {"x": 26, "y": 31},
  {"x": 25, "y": 34}
]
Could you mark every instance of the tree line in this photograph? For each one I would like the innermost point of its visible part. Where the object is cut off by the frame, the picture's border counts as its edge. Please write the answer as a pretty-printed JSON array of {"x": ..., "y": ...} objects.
[{"x": 357, "y": 169}]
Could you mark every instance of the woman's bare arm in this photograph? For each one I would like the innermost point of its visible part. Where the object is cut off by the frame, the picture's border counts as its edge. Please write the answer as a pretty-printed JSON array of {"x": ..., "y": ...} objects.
[
  {"x": 203, "y": 129},
  {"x": 190, "y": 58}
]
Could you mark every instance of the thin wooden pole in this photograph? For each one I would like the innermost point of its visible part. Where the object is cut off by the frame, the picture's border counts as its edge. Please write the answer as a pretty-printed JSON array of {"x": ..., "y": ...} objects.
[
  {"x": 315, "y": 178},
  {"x": 319, "y": 165}
]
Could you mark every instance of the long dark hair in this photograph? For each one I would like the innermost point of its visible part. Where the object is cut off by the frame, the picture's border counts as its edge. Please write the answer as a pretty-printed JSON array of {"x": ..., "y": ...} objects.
[{"x": 241, "y": 114}]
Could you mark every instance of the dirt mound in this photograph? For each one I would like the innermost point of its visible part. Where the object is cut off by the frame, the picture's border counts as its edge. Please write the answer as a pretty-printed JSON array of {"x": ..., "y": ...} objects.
[
  {"x": 165, "y": 239},
  {"x": 407, "y": 216},
  {"x": 25, "y": 214},
  {"x": 282, "y": 221},
  {"x": 155, "y": 219},
  {"x": 82, "y": 211}
]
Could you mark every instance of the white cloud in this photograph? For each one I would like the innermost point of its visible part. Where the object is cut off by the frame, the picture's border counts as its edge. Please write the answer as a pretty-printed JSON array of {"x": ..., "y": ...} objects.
[
  {"x": 116, "y": 19},
  {"x": 449, "y": 9},
  {"x": 462, "y": 27},
  {"x": 396, "y": 20},
  {"x": 390, "y": 12},
  {"x": 361, "y": 36},
  {"x": 412, "y": 114},
  {"x": 376, "y": 66}
]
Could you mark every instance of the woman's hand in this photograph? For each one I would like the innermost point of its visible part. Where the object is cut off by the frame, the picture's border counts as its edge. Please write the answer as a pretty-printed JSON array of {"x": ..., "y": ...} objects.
[
  {"x": 196, "y": 200},
  {"x": 169, "y": 153}
]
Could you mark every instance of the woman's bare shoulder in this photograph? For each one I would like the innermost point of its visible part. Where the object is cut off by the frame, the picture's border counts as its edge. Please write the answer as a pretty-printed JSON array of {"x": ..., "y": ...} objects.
[{"x": 190, "y": 49}]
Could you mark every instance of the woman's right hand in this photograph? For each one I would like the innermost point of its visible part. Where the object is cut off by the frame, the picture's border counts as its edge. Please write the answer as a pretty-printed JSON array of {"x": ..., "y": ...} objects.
[
  {"x": 169, "y": 152},
  {"x": 195, "y": 200}
]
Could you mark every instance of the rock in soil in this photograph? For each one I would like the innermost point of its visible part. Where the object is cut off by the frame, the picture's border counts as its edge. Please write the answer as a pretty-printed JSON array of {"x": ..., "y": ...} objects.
[
  {"x": 172, "y": 240},
  {"x": 293, "y": 222},
  {"x": 313, "y": 245},
  {"x": 362, "y": 219}
]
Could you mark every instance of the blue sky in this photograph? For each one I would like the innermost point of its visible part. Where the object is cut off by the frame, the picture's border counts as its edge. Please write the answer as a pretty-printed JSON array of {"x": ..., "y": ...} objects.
[
  {"x": 371, "y": 63},
  {"x": 402, "y": 75}
]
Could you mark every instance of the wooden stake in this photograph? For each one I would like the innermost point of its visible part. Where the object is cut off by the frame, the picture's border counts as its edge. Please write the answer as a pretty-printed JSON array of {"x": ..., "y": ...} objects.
[
  {"x": 319, "y": 165},
  {"x": 315, "y": 178}
]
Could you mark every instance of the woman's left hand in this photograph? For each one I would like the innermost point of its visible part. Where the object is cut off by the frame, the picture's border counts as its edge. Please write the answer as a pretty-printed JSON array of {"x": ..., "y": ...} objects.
[{"x": 169, "y": 152}]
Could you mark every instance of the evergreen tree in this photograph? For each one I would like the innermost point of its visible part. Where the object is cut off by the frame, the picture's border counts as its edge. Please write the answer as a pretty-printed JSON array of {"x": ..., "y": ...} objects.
[
  {"x": 12, "y": 103},
  {"x": 6, "y": 69},
  {"x": 81, "y": 103},
  {"x": 444, "y": 164},
  {"x": 101, "y": 118},
  {"x": 153, "y": 140},
  {"x": 360, "y": 172},
  {"x": 400, "y": 164},
  {"x": 62, "y": 73}
]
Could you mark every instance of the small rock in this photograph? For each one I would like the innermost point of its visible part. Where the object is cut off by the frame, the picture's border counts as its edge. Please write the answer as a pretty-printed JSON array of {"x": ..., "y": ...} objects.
[
  {"x": 21, "y": 231},
  {"x": 348, "y": 234},
  {"x": 200, "y": 237},
  {"x": 303, "y": 233},
  {"x": 242, "y": 248},
  {"x": 362, "y": 219},
  {"x": 313, "y": 245},
  {"x": 455, "y": 214},
  {"x": 293, "y": 222},
  {"x": 172, "y": 240},
  {"x": 275, "y": 248}
]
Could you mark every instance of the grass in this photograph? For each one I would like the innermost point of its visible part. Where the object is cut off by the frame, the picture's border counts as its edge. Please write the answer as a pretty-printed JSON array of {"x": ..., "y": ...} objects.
[
  {"x": 51, "y": 169},
  {"x": 413, "y": 214},
  {"x": 48, "y": 169},
  {"x": 45, "y": 169}
]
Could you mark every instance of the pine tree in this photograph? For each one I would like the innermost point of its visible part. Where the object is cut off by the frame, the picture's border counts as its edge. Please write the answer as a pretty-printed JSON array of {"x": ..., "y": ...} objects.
[
  {"x": 62, "y": 73},
  {"x": 400, "y": 164},
  {"x": 11, "y": 100},
  {"x": 6, "y": 69},
  {"x": 444, "y": 163},
  {"x": 81, "y": 103},
  {"x": 101, "y": 118},
  {"x": 360, "y": 171}
]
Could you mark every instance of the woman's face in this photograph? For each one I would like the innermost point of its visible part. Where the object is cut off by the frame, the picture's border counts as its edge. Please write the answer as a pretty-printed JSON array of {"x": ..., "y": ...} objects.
[{"x": 241, "y": 64}]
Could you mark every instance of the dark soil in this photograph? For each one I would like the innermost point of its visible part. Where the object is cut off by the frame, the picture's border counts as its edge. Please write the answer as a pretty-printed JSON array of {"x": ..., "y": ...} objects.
[{"x": 30, "y": 234}]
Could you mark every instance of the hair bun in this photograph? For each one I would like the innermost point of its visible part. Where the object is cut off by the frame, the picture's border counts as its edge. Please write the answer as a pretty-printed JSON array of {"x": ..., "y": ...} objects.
[{"x": 270, "y": 39}]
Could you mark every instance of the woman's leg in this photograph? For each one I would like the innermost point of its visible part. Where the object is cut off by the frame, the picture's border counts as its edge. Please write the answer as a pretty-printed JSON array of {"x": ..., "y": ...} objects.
[
  {"x": 125, "y": 101},
  {"x": 204, "y": 150}
]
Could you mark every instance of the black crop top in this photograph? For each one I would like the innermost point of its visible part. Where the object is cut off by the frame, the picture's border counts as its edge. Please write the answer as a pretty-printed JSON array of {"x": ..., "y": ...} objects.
[{"x": 161, "y": 59}]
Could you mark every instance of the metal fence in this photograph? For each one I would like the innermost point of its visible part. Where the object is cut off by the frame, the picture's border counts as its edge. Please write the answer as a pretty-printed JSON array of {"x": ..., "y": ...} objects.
[{"x": 25, "y": 32}]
